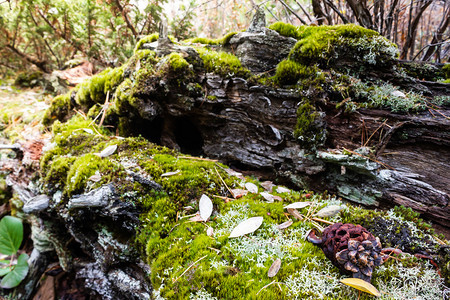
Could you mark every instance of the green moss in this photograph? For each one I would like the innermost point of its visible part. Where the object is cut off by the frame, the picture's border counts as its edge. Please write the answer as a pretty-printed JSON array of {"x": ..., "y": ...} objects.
[
  {"x": 222, "y": 41},
  {"x": 446, "y": 69},
  {"x": 60, "y": 108},
  {"x": 177, "y": 64},
  {"x": 222, "y": 63},
  {"x": 82, "y": 168},
  {"x": 95, "y": 89},
  {"x": 147, "y": 39},
  {"x": 307, "y": 129},
  {"x": 285, "y": 29},
  {"x": 290, "y": 72},
  {"x": 330, "y": 45}
]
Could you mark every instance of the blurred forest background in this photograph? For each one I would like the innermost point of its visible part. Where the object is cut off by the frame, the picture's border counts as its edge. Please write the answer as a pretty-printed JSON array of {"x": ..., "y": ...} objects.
[{"x": 49, "y": 35}]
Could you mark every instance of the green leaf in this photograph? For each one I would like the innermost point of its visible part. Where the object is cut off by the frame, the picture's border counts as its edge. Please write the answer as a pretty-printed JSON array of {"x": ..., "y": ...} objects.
[
  {"x": 5, "y": 270},
  {"x": 19, "y": 272},
  {"x": 11, "y": 234}
]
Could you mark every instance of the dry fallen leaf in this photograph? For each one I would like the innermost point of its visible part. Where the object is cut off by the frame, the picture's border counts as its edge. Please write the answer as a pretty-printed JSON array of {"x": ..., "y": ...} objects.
[
  {"x": 361, "y": 285},
  {"x": 251, "y": 187},
  {"x": 209, "y": 231},
  {"x": 234, "y": 173},
  {"x": 329, "y": 211},
  {"x": 274, "y": 268},
  {"x": 267, "y": 196},
  {"x": 107, "y": 151},
  {"x": 96, "y": 177},
  {"x": 238, "y": 193},
  {"x": 282, "y": 189},
  {"x": 293, "y": 212},
  {"x": 285, "y": 225},
  {"x": 298, "y": 205},
  {"x": 170, "y": 173},
  {"x": 206, "y": 207},
  {"x": 245, "y": 227},
  {"x": 90, "y": 131},
  {"x": 278, "y": 198},
  {"x": 267, "y": 185},
  {"x": 196, "y": 218}
]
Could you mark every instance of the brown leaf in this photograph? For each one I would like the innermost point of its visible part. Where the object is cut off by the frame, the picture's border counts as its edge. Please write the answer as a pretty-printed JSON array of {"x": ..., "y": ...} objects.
[
  {"x": 267, "y": 185},
  {"x": 251, "y": 187},
  {"x": 238, "y": 193},
  {"x": 274, "y": 268},
  {"x": 285, "y": 225},
  {"x": 293, "y": 212}
]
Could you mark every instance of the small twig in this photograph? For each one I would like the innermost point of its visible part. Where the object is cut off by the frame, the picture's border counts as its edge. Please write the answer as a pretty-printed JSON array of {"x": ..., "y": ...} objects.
[
  {"x": 377, "y": 161},
  {"x": 197, "y": 158},
  {"x": 365, "y": 144},
  {"x": 264, "y": 287},
  {"x": 221, "y": 179},
  {"x": 224, "y": 198},
  {"x": 105, "y": 107},
  {"x": 188, "y": 268},
  {"x": 323, "y": 221}
]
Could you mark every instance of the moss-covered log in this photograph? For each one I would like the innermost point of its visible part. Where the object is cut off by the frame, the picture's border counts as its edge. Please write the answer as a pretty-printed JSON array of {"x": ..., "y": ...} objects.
[{"x": 336, "y": 112}]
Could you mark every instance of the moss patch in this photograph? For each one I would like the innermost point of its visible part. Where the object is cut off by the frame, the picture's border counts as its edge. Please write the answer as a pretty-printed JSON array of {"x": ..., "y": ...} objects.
[
  {"x": 222, "y": 41},
  {"x": 329, "y": 45},
  {"x": 222, "y": 63}
]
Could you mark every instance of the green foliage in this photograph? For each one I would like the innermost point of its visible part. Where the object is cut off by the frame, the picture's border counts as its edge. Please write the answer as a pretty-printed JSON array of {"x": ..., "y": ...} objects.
[
  {"x": 222, "y": 63},
  {"x": 11, "y": 235},
  {"x": 28, "y": 79}
]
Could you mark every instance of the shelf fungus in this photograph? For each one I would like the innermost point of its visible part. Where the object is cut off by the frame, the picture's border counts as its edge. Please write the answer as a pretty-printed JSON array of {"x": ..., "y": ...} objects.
[{"x": 351, "y": 248}]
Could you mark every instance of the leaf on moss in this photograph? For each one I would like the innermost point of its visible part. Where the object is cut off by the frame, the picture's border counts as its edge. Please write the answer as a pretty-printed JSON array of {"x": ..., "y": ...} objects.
[
  {"x": 293, "y": 212},
  {"x": 298, "y": 205},
  {"x": 238, "y": 193},
  {"x": 168, "y": 174},
  {"x": 96, "y": 177},
  {"x": 285, "y": 225},
  {"x": 88, "y": 130},
  {"x": 209, "y": 231},
  {"x": 329, "y": 211},
  {"x": 196, "y": 218},
  {"x": 282, "y": 189},
  {"x": 267, "y": 196},
  {"x": 245, "y": 227},
  {"x": 234, "y": 173},
  {"x": 107, "y": 151},
  {"x": 267, "y": 185},
  {"x": 205, "y": 207},
  {"x": 361, "y": 285},
  {"x": 274, "y": 268},
  {"x": 251, "y": 187}
]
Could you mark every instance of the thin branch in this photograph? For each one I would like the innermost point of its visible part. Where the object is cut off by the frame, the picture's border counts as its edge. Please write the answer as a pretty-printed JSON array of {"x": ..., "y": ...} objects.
[{"x": 292, "y": 11}]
